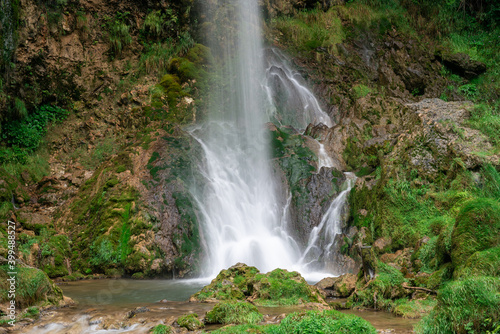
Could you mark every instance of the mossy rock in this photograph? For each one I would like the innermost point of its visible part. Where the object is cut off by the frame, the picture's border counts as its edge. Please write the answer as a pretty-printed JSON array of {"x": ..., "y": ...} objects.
[
  {"x": 379, "y": 292},
  {"x": 327, "y": 321},
  {"x": 190, "y": 321},
  {"x": 234, "y": 312},
  {"x": 476, "y": 229},
  {"x": 463, "y": 307},
  {"x": 161, "y": 329},
  {"x": 485, "y": 263},
  {"x": 437, "y": 278},
  {"x": 33, "y": 287},
  {"x": 242, "y": 282}
]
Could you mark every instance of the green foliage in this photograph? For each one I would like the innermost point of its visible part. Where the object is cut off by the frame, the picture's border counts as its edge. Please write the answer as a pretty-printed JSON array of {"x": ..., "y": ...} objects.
[
  {"x": 35, "y": 164},
  {"x": 161, "y": 329},
  {"x": 327, "y": 322},
  {"x": 33, "y": 287},
  {"x": 381, "y": 291},
  {"x": 413, "y": 308},
  {"x": 280, "y": 287},
  {"x": 310, "y": 30},
  {"x": 361, "y": 91},
  {"x": 484, "y": 263},
  {"x": 158, "y": 24},
  {"x": 157, "y": 55},
  {"x": 118, "y": 32},
  {"x": 190, "y": 321},
  {"x": 487, "y": 120},
  {"x": 476, "y": 229},
  {"x": 20, "y": 109},
  {"x": 468, "y": 306},
  {"x": 25, "y": 135},
  {"x": 234, "y": 312}
]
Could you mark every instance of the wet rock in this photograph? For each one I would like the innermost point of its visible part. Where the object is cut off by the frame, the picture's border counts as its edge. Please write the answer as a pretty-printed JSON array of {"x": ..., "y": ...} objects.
[
  {"x": 339, "y": 287},
  {"x": 136, "y": 311},
  {"x": 382, "y": 243}
]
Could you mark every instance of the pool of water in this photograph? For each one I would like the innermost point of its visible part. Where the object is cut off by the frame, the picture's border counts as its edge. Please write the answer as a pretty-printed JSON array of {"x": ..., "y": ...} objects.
[{"x": 124, "y": 292}]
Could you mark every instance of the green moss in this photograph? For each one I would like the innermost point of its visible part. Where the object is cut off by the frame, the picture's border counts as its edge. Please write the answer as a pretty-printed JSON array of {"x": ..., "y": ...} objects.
[
  {"x": 413, "y": 308},
  {"x": 280, "y": 287},
  {"x": 190, "y": 322},
  {"x": 33, "y": 287},
  {"x": 234, "y": 312},
  {"x": 476, "y": 229},
  {"x": 360, "y": 91},
  {"x": 381, "y": 291},
  {"x": 485, "y": 263},
  {"x": 275, "y": 288},
  {"x": 468, "y": 306},
  {"x": 161, "y": 329},
  {"x": 439, "y": 277},
  {"x": 327, "y": 321}
]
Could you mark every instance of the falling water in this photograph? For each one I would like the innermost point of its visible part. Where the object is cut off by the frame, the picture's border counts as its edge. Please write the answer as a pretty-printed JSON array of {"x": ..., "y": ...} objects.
[
  {"x": 243, "y": 218},
  {"x": 291, "y": 103},
  {"x": 322, "y": 237},
  {"x": 241, "y": 212}
]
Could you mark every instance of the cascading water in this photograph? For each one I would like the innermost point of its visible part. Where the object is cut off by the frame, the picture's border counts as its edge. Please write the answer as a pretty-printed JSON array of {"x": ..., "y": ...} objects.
[
  {"x": 285, "y": 89},
  {"x": 243, "y": 218},
  {"x": 323, "y": 236}
]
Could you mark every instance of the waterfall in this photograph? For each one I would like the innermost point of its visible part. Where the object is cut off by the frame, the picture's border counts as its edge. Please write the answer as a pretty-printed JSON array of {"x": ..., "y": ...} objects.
[
  {"x": 243, "y": 217},
  {"x": 323, "y": 237},
  {"x": 242, "y": 220}
]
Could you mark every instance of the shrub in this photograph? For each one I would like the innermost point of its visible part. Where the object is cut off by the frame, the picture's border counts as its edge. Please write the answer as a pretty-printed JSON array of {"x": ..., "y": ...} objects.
[
  {"x": 234, "y": 312},
  {"x": 25, "y": 135}
]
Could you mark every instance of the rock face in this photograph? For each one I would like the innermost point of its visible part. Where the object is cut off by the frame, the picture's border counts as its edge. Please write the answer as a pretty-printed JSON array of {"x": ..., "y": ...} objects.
[{"x": 278, "y": 287}]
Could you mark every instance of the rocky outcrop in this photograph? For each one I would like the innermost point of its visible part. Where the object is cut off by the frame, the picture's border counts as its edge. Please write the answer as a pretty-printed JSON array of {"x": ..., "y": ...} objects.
[
  {"x": 461, "y": 64},
  {"x": 338, "y": 287},
  {"x": 278, "y": 287}
]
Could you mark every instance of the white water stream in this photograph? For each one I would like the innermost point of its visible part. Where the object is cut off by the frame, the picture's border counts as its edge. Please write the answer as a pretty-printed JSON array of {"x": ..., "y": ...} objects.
[{"x": 243, "y": 218}]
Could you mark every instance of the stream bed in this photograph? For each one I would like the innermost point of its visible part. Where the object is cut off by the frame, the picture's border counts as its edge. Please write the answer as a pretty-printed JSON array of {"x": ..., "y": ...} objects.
[{"x": 107, "y": 304}]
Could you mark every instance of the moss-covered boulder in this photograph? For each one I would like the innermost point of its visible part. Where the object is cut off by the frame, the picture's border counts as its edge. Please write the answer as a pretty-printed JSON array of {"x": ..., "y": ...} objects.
[
  {"x": 387, "y": 286},
  {"x": 234, "y": 312},
  {"x": 476, "y": 229},
  {"x": 485, "y": 263},
  {"x": 33, "y": 287},
  {"x": 190, "y": 322},
  {"x": 242, "y": 282},
  {"x": 326, "y": 321},
  {"x": 468, "y": 306}
]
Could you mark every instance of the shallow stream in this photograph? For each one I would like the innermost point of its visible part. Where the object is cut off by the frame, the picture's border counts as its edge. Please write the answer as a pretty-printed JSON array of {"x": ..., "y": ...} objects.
[{"x": 106, "y": 303}]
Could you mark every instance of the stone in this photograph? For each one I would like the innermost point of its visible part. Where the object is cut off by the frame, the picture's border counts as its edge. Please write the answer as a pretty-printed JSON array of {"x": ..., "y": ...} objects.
[{"x": 338, "y": 287}]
